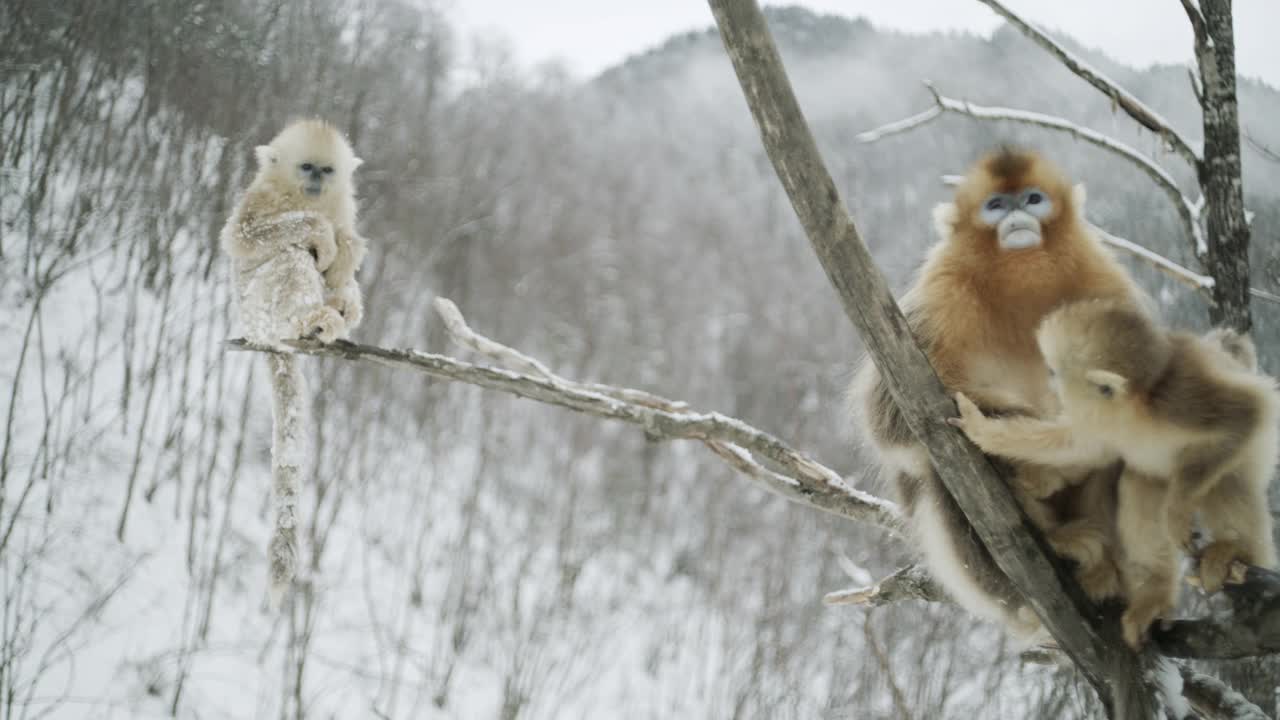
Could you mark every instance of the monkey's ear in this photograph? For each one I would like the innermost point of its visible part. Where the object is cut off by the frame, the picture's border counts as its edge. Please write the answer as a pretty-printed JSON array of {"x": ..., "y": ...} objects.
[
  {"x": 944, "y": 220},
  {"x": 1078, "y": 198},
  {"x": 1107, "y": 383},
  {"x": 266, "y": 155}
]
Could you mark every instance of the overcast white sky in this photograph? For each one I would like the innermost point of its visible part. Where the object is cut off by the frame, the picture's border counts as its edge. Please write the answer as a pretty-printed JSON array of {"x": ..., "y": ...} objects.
[{"x": 590, "y": 35}]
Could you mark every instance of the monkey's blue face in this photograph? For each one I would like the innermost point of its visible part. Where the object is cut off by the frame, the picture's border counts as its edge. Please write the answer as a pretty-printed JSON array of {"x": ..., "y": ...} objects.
[
  {"x": 312, "y": 176},
  {"x": 1016, "y": 217}
]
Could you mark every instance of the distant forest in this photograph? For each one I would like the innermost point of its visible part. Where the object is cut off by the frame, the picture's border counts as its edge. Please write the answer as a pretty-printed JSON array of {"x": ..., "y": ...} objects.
[{"x": 474, "y": 555}]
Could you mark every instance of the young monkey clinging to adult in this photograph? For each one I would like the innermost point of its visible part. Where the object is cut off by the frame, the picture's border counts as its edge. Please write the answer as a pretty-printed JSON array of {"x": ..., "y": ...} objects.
[
  {"x": 1192, "y": 420},
  {"x": 1014, "y": 245},
  {"x": 294, "y": 254}
]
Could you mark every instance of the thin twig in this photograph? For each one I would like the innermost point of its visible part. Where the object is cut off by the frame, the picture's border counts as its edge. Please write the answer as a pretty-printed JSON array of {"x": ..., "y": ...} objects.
[
  {"x": 901, "y": 126},
  {"x": 1261, "y": 149},
  {"x": 1192, "y": 279},
  {"x": 909, "y": 583},
  {"x": 1188, "y": 211}
]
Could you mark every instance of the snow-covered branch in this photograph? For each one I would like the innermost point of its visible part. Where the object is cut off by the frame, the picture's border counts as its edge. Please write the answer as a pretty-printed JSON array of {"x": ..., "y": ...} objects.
[
  {"x": 805, "y": 481},
  {"x": 901, "y": 126},
  {"x": 1252, "y": 628},
  {"x": 462, "y": 334},
  {"x": 1188, "y": 211},
  {"x": 909, "y": 583},
  {"x": 1213, "y": 699},
  {"x": 1186, "y": 276},
  {"x": 1135, "y": 108},
  {"x": 1197, "y": 22},
  {"x": 1261, "y": 149}
]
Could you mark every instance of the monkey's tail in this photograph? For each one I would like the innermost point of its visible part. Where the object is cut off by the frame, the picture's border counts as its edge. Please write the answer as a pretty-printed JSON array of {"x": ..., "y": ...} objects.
[{"x": 288, "y": 460}]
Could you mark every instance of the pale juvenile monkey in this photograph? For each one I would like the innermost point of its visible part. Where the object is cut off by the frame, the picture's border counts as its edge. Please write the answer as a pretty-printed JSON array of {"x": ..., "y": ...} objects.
[
  {"x": 294, "y": 252},
  {"x": 1193, "y": 422},
  {"x": 1014, "y": 245}
]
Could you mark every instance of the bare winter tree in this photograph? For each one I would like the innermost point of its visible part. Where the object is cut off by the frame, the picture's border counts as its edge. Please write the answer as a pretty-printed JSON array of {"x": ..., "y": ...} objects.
[{"x": 1215, "y": 220}]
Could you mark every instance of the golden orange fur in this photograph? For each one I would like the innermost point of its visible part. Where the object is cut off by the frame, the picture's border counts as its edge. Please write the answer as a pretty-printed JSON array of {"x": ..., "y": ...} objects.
[{"x": 974, "y": 308}]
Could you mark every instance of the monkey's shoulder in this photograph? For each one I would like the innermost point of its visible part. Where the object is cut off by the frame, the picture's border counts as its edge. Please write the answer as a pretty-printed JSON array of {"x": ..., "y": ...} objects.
[{"x": 1205, "y": 390}]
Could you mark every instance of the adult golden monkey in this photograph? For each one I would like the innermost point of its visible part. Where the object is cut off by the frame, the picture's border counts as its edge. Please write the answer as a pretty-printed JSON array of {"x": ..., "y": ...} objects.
[{"x": 1014, "y": 246}]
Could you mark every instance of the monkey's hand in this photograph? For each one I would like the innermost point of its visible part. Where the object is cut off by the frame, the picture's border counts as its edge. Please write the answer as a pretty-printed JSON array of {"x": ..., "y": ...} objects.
[
  {"x": 347, "y": 301},
  {"x": 974, "y": 424},
  {"x": 312, "y": 231},
  {"x": 1028, "y": 439},
  {"x": 321, "y": 242}
]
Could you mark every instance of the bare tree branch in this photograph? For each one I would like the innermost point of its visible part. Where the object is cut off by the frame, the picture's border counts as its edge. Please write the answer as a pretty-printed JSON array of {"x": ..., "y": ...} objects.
[
  {"x": 1214, "y": 700},
  {"x": 1261, "y": 149},
  {"x": 809, "y": 482},
  {"x": 462, "y": 334},
  {"x": 1197, "y": 89},
  {"x": 909, "y": 583},
  {"x": 1135, "y": 108},
  {"x": 901, "y": 126},
  {"x": 1186, "y": 276},
  {"x": 1197, "y": 21},
  {"x": 1253, "y": 628},
  {"x": 1114, "y": 672},
  {"x": 1188, "y": 211}
]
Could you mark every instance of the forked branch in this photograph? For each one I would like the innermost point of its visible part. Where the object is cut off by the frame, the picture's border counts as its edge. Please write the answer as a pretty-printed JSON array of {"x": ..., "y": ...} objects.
[
  {"x": 1188, "y": 211},
  {"x": 795, "y": 476},
  {"x": 1132, "y": 106}
]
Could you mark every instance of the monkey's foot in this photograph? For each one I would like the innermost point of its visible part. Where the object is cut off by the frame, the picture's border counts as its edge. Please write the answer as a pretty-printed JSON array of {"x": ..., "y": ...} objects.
[
  {"x": 1217, "y": 563},
  {"x": 1087, "y": 545},
  {"x": 324, "y": 324},
  {"x": 1100, "y": 582},
  {"x": 1142, "y": 611},
  {"x": 1083, "y": 542}
]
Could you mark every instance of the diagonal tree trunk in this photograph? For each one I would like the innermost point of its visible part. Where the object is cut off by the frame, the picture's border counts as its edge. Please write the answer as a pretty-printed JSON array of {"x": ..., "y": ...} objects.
[{"x": 1115, "y": 673}]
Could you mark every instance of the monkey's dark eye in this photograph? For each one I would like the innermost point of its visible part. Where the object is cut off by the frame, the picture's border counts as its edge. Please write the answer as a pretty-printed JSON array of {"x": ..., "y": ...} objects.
[
  {"x": 327, "y": 169},
  {"x": 995, "y": 203},
  {"x": 307, "y": 167},
  {"x": 1034, "y": 198},
  {"x": 1105, "y": 390}
]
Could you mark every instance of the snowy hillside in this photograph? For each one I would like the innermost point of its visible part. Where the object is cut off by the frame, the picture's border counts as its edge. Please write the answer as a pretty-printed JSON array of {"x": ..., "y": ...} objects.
[{"x": 468, "y": 554}]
